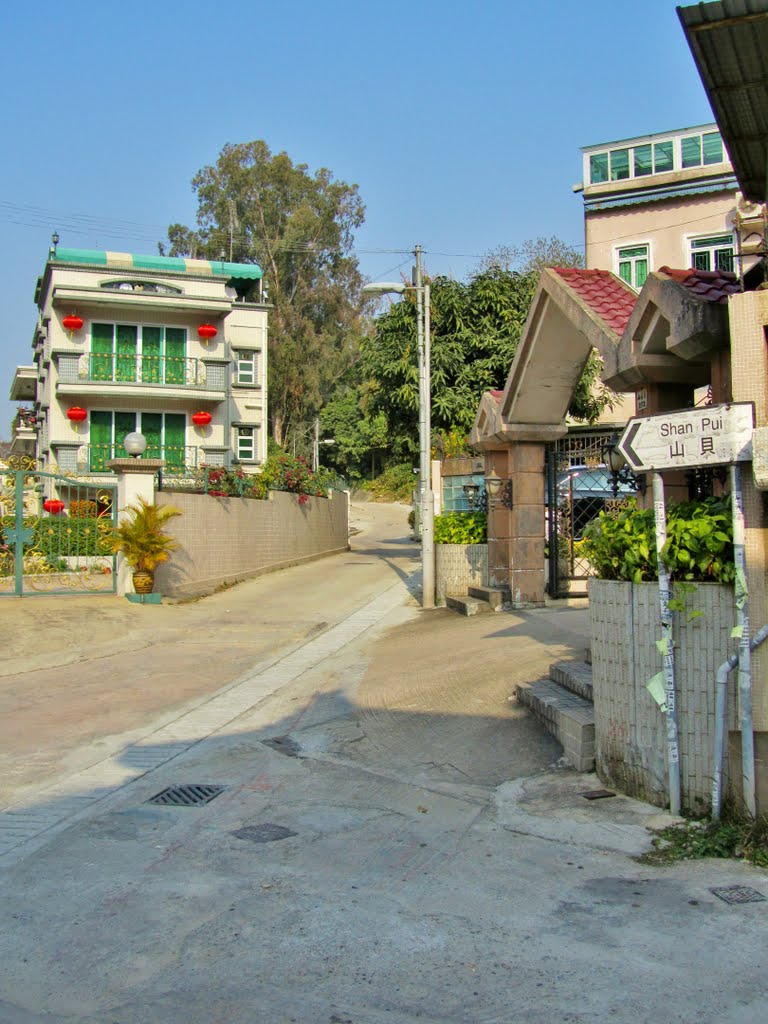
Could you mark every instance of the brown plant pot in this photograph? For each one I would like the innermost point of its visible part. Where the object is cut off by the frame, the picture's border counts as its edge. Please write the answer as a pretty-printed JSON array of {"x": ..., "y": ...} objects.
[{"x": 143, "y": 581}]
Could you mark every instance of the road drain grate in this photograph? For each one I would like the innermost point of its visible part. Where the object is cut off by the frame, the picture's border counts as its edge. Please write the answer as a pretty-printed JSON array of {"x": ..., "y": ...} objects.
[
  {"x": 738, "y": 894},
  {"x": 191, "y": 794},
  {"x": 266, "y": 833}
]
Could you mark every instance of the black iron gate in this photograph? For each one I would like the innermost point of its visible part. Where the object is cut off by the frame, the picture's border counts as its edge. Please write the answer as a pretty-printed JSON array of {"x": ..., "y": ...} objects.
[
  {"x": 54, "y": 532},
  {"x": 579, "y": 486}
]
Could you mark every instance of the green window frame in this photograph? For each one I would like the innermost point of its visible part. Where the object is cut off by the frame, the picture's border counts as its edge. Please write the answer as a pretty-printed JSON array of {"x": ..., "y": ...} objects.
[
  {"x": 135, "y": 353},
  {"x": 245, "y": 367},
  {"x": 246, "y": 444},
  {"x": 714, "y": 252},
  {"x": 647, "y": 158},
  {"x": 165, "y": 434},
  {"x": 633, "y": 264}
]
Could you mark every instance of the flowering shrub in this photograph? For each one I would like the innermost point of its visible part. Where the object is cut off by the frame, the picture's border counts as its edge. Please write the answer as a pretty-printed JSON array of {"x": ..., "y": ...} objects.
[{"x": 283, "y": 472}]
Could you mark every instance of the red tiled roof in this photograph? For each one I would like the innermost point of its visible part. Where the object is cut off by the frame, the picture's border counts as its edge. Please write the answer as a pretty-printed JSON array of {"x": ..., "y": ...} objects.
[
  {"x": 710, "y": 285},
  {"x": 496, "y": 395},
  {"x": 605, "y": 294}
]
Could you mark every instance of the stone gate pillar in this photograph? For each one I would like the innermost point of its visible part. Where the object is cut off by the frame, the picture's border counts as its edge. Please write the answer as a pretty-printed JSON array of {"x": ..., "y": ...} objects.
[
  {"x": 135, "y": 479},
  {"x": 516, "y": 534}
]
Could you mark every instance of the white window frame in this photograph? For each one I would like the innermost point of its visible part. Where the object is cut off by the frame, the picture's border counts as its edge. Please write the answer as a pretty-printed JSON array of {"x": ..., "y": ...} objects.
[
  {"x": 632, "y": 245},
  {"x": 246, "y": 428},
  {"x": 244, "y": 358},
  {"x": 632, "y": 144},
  {"x": 712, "y": 249}
]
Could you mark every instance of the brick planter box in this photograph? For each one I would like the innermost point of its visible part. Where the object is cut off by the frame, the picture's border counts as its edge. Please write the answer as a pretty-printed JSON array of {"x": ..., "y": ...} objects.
[
  {"x": 459, "y": 567},
  {"x": 630, "y": 728}
]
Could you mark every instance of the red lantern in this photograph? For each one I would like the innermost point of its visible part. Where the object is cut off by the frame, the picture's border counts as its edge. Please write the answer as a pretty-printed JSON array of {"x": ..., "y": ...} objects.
[
  {"x": 201, "y": 419},
  {"x": 53, "y": 505},
  {"x": 76, "y": 415},
  {"x": 207, "y": 332},
  {"x": 72, "y": 323}
]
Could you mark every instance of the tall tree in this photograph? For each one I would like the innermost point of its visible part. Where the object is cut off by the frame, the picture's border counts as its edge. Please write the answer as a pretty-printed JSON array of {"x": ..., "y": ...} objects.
[
  {"x": 256, "y": 207},
  {"x": 476, "y": 327}
]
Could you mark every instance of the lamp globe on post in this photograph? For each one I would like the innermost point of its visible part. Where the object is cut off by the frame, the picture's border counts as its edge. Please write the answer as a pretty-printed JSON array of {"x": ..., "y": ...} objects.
[{"x": 135, "y": 444}]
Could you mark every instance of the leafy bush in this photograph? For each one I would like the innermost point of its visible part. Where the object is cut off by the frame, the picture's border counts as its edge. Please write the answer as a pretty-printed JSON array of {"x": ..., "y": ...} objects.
[
  {"x": 395, "y": 484},
  {"x": 621, "y": 545},
  {"x": 461, "y": 528}
]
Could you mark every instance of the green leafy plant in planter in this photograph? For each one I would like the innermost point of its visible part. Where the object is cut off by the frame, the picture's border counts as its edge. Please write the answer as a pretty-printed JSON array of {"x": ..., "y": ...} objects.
[
  {"x": 621, "y": 545},
  {"x": 142, "y": 540},
  {"x": 461, "y": 528}
]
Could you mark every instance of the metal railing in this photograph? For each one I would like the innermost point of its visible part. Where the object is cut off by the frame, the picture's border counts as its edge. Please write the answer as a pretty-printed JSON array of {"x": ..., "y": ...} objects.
[
  {"x": 93, "y": 458},
  {"x": 130, "y": 368}
]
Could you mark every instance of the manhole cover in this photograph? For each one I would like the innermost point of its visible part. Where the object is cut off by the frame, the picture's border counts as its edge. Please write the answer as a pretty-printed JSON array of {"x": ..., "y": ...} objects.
[
  {"x": 738, "y": 894},
  {"x": 266, "y": 833},
  {"x": 188, "y": 795}
]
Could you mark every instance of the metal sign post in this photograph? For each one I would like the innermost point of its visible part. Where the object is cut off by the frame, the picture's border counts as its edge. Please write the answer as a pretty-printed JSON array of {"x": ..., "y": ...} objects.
[
  {"x": 673, "y": 750},
  {"x": 745, "y": 660}
]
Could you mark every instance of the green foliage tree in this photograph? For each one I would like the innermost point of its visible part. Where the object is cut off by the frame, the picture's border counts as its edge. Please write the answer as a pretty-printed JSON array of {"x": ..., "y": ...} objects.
[
  {"x": 476, "y": 327},
  {"x": 358, "y": 438},
  {"x": 258, "y": 207}
]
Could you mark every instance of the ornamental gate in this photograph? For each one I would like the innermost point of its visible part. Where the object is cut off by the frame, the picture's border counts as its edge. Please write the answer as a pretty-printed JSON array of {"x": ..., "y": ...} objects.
[
  {"x": 54, "y": 532},
  {"x": 579, "y": 487}
]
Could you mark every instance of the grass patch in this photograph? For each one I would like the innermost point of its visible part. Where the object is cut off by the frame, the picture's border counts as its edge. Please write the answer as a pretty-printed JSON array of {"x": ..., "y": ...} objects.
[{"x": 734, "y": 836}]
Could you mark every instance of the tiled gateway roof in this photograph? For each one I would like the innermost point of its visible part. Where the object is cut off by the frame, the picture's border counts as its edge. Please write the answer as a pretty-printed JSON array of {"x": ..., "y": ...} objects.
[
  {"x": 605, "y": 294},
  {"x": 711, "y": 285}
]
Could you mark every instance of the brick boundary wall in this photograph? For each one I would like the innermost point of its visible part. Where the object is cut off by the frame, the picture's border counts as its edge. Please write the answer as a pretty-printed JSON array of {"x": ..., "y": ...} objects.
[{"x": 225, "y": 540}]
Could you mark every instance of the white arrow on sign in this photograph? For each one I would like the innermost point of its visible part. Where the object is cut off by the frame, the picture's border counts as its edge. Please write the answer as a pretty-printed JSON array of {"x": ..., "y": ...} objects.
[{"x": 714, "y": 435}]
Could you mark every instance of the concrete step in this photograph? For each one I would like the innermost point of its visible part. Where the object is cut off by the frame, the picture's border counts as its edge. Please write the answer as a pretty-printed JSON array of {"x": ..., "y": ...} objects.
[
  {"x": 467, "y": 605},
  {"x": 575, "y": 676},
  {"x": 496, "y": 597},
  {"x": 569, "y": 718}
]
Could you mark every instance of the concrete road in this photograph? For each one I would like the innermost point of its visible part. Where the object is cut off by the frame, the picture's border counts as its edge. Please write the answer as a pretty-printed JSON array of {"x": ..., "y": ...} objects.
[{"x": 394, "y": 840}]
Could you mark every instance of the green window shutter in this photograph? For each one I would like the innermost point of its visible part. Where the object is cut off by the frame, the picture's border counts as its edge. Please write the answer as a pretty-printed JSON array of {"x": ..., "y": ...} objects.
[
  {"x": 641, "y": 273},
  {"x": 101, "y": 440},
  {"x": 125, "y": 423},
  {"x": 663, "y": 157},
  {"x": 625, "y": 272},
  {"x": 151, "y": 352},
  {"x": 102, "y": 339},
  {"x": 175, "y": 437},
  {"x": 691, "y": 151},
  {"x": 126, "y": 352},
  {"x": 598, "y": 168},
  {"x": 175, "y": 355},
  {"x": 152, "y": 429},
  {"x": 700, "y": 261}
]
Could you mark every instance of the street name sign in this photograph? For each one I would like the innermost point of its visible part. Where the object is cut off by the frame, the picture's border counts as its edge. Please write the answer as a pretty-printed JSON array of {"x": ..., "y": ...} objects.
[{"x": 714, "y": 435}]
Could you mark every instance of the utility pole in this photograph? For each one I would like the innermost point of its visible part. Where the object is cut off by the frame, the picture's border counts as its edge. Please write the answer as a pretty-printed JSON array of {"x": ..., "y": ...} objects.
[
  {"x": 426, "y": 501},
  {"x": 316, "y": 446}
]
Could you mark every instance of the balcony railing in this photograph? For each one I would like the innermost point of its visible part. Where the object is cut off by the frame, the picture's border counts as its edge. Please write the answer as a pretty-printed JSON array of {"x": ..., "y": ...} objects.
[
  {"x": 25, "y": 419},
  {"x": 93, "y": 458},
  {"x": 168, "y": 371}
]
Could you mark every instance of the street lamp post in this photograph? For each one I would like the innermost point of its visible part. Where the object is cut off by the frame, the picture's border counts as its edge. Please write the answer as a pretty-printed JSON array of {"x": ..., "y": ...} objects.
[{"x": 426, "y": 497}]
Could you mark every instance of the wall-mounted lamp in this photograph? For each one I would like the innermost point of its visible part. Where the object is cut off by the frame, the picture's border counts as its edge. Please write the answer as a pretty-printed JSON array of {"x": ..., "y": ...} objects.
[
  {"x": 621, "y": 474},
  {"x": 135, "y": 444},
  {"x": 499, "y": 491}
]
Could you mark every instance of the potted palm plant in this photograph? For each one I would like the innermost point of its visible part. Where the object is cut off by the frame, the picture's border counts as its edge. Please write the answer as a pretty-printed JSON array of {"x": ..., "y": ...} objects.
[{"x": 143, "y": 542}]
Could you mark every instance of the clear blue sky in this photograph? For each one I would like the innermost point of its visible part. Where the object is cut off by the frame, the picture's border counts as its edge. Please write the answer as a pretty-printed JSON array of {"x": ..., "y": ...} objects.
[{"x": 460, "y": 122}]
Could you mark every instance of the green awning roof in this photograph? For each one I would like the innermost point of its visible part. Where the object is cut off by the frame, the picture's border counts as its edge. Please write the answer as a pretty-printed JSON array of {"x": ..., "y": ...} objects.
[{"x": 158, "y": 264}]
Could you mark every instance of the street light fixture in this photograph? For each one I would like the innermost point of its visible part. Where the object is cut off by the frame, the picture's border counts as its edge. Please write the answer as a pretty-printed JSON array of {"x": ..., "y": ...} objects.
[{"x": 426, "y": 497}]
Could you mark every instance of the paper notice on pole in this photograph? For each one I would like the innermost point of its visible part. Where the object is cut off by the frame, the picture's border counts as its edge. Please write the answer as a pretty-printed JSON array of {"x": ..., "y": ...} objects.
[{"x": 656, "y": 689}]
